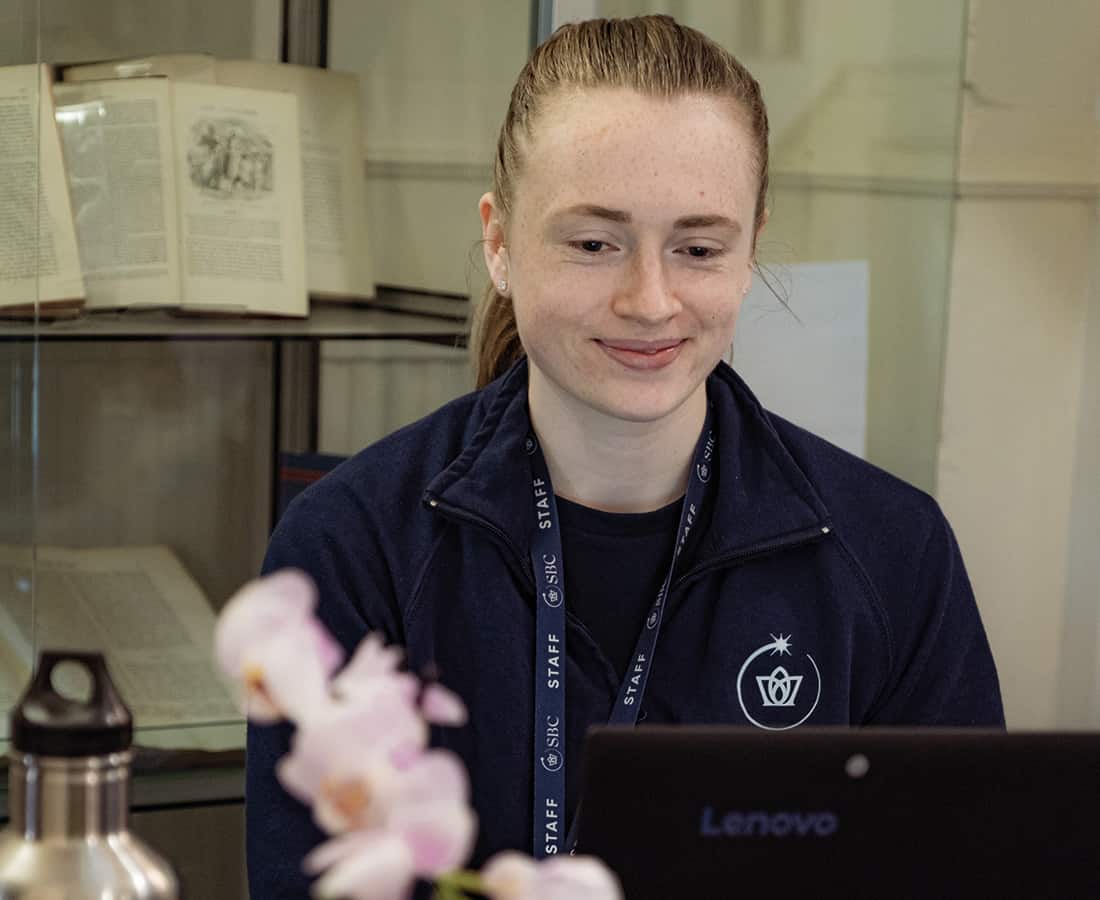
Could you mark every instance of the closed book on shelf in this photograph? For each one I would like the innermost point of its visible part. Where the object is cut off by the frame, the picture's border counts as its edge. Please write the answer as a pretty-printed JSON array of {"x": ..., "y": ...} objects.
[
  {"x": 183, "y": 66},
  {"x": 39, "y": 264}
]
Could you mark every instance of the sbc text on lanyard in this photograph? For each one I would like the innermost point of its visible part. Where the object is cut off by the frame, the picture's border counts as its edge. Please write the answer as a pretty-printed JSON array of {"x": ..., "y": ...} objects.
[{"x": 550, "y": 834}]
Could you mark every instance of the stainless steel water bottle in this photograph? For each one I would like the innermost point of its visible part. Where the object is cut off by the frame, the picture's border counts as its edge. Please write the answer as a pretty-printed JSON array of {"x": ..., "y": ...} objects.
[{"x": 68, "y": 795}]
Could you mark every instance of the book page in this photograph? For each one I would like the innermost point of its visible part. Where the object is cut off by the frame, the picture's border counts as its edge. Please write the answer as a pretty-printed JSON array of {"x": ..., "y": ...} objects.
[
  {"x": 38, "y": 255},
  {"x": 239, "y": 184},
  {"x": 334, "y": 183},
  {"x": 117, "y": 142},
  {"x": 184, "y": 66},
  {"x": 138, "y": 606}
]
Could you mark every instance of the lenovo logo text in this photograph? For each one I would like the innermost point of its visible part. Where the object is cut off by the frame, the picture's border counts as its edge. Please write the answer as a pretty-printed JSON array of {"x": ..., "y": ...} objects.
[{"x": 759, "y": 823}]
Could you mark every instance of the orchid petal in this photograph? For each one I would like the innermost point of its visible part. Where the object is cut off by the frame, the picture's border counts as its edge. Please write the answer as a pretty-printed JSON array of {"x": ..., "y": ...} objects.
[
  {"x": 440, "y": 838},
  {"x": 290, "y": 671},
  {"x": 345, "y": 744},
  {"x": 356, "y": 801},
  {"x": 332, "y": 851},
  {"x": 514, "y": 876},
  {"x": 372, "y": 658},
  {"x": 577, "y": 878},
  {"x": 510, "y": 875},
  {"x": 262, "y": 607},
  {"x": 436, "y": 776},
  {"x": 372, "y": 866},
  {"x": 441, "y": 706}
]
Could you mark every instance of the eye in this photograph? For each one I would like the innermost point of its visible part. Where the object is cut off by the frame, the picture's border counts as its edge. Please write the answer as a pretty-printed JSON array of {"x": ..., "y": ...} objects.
[
  {"x": 590, "y": 246},
  {"x": 701, "y": 252}
]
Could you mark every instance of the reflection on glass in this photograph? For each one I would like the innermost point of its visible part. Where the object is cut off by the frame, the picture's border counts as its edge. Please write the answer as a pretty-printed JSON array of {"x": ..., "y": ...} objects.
[
  {"x": 24, "y": 251},
  {"x": 863, "y": 101},
  {"x": 432, "y": 105},
  {"x": 142, "y": 447}
]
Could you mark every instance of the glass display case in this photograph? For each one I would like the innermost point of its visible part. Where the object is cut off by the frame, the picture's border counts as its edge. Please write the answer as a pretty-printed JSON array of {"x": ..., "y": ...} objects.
[
  {"x": 235, "y": 249},
  {"x": 239, "y": 241}
]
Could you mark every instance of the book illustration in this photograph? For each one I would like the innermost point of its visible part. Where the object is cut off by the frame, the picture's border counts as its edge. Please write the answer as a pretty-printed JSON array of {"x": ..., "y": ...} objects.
[
  {"x": 228, "y": 158},
  {"x": 329, "y": 149},
  {"x": 187, "y": 195}
]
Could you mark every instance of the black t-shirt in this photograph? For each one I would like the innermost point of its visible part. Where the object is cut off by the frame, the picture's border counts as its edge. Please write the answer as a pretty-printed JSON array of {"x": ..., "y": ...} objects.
[{"x": 615, "y": 564}]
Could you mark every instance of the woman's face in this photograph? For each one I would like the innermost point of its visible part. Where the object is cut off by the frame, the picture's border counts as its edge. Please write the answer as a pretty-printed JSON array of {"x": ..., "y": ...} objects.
[{"x": 628, "y": 249}]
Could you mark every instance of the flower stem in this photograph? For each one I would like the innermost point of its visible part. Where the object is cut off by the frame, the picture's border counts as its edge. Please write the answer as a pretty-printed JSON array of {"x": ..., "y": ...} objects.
[{"x": 456, "y": 885}]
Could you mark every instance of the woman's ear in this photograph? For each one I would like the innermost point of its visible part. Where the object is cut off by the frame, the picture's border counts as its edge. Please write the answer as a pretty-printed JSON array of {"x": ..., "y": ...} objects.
[{"x": 492, "y": 238}]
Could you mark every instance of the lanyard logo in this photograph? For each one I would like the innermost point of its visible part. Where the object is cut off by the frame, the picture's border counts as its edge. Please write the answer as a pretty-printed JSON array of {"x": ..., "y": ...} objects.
[
  {"x": 703, "y": 468},
  {"x": 551, "y": 576},
  {"x": 552, "y": 755},
  {"x": 787, "y": 692},
  {"x": 551, "y": 760}
]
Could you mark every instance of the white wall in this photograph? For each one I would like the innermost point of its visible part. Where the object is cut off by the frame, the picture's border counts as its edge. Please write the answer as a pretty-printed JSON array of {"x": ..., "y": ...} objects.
[{"x": 1018, "y": 462}]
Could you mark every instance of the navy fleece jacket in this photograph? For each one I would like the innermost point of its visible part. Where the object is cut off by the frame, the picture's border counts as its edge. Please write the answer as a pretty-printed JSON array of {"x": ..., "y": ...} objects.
[{"x": 814, "y": 562}]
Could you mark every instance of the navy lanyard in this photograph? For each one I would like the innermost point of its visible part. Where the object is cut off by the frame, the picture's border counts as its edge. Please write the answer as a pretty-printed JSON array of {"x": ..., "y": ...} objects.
[{"x": 550, "y": 834}]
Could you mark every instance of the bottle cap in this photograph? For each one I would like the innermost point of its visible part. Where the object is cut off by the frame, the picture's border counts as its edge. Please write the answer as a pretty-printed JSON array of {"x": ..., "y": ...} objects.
[{"x": 49, "y": 723}]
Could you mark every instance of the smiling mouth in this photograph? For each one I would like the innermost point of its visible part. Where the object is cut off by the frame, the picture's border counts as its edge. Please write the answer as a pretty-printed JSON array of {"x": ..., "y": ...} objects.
[
  {"x": 642, "y": 355},
  {"x": 649, "y": 347}
]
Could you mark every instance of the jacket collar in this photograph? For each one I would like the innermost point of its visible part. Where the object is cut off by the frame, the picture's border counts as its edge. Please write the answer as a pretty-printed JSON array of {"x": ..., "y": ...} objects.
[{"x": 761, "y": 495}]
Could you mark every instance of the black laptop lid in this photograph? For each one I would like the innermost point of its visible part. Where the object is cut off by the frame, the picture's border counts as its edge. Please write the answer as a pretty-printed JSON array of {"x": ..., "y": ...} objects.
[{"x": 738, "y": 812}]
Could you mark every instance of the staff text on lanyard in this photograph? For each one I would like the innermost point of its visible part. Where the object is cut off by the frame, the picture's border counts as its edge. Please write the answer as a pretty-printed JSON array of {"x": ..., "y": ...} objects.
[{"x": 550, "y": 835}]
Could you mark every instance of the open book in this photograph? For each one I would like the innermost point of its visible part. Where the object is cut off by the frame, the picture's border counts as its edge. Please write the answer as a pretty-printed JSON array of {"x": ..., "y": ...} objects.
[
  {"x": 331, "y": 140},
  {"x": 138, "y": 606},
  {"x": 38, "y": 254},
  {"x": 186, "y": 195}
]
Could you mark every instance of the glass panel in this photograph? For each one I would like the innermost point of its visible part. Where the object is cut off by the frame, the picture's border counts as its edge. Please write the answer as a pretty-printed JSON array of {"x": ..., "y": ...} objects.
[
  {"x": 202, "y": 254},
  {"x": 26, "y": 262},
  {"x": 433, "y": 103},
  {"x": 863, "y": 100},
  {"x": 207, "y": 241}
]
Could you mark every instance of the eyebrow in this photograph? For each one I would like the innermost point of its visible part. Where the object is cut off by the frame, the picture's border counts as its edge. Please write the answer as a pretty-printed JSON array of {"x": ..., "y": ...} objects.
[{"x": 623, "y": 217}]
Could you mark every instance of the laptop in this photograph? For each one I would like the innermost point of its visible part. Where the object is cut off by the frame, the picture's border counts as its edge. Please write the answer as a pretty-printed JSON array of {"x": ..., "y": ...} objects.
[{"x": 721, "y": 811}]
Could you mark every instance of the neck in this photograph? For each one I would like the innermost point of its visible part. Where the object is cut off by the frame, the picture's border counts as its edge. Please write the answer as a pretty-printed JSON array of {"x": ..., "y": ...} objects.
[{"x": 610, "y": 464}]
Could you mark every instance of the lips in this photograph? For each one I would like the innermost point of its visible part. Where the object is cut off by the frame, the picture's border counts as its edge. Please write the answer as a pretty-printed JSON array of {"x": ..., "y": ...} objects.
[
  {"x": 641, "y": 346},
  {"x": 642, "y": 355}
]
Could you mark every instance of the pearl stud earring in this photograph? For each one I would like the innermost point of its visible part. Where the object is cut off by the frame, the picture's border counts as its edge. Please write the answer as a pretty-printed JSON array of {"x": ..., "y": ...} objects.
[{"x": 502, "y": 285}]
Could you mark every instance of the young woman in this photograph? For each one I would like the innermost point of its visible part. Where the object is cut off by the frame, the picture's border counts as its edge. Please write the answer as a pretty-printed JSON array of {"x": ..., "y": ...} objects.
[{"x": 611, "y": 527}]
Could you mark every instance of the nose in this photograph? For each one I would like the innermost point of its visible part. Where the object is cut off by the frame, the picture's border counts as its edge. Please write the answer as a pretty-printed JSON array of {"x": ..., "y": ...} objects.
[{"x": 646, "y": 295}]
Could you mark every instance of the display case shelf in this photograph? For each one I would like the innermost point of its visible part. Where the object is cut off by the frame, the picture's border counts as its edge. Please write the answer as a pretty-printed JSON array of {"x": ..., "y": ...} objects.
[{"x": 394, "y": 315}]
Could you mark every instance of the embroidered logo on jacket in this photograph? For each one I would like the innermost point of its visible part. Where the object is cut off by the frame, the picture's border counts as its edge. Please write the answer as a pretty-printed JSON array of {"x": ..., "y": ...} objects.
[{"x": 777, "y": 696}]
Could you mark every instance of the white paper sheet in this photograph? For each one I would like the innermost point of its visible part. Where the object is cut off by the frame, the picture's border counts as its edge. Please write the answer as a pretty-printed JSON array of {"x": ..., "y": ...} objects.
[{"x": 814, "y": 372}]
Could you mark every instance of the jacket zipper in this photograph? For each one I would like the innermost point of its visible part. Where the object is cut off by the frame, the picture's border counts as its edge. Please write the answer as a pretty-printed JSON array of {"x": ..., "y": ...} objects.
[
  {"x": 522, "y": 566},
  {"x": 784, "y": 542},
  {"x": 458, "y": 514}
]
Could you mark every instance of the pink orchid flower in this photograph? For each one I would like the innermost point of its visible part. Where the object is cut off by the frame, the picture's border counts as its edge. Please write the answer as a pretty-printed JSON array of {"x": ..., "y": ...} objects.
[
  {"x": 358, "y": 761},
  {"x": 425, "y": 828},
  {"x": 268, "y": 640},
  {"x": 512, "y": 876},
  {"x": 362, "y": 865},
  {"x": 373, "y": 661}
]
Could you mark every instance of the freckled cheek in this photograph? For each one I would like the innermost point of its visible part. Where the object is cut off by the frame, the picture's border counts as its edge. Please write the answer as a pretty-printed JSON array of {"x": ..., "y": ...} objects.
[{"x": 721, "y": 316}]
